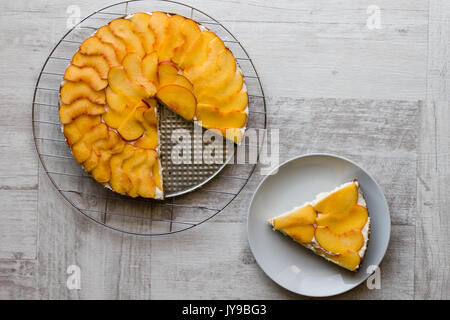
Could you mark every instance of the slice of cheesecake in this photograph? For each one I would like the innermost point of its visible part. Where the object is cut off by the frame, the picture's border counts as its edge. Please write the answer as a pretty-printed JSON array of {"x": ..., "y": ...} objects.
[{"x": 335, "y": 225}]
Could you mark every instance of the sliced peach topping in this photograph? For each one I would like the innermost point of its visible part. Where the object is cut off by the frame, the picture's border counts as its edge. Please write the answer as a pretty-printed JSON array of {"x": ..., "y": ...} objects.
[
  {"x": 167, "y": 72},
  {"x": 97, "y": 62},
  {"x": 82, "y": 149},
  {"x": 339, "y": 243},
  {"x": 75, "y": 130},
  {"x": 124, "y": 29},
  {"x": 159, "y": 22},
  {"x": 98, "y": 162},
  {"x": 215, "y": 48},
  {"x": 356, "y": 219},
  {"x": 68, "y": 112},
  {"x": 72, "y": 91},
  {"x": 300, "y": 233},
  {"x": 132, "y": 64},
  {"x": 173, "y": 39},
  {"x": 107, "y": 36},
  {"x": 212, "y": 117},
  {"x": 303, "y": 215},
  {"x": 119, "y": 102},
  {"x": 235, "y": 102},
  {"x": 156, "y": 175},
  {"x": 136, "y": 168},
  {"x": 190, "y": 32},
  {"x": 121, "y": 84},
  {"x": 86, "y": 74},
  {"x": 198, "y": 53},
  {"x": 338, "y": 203},
  {"x": 141, "y": 22},
  {"x": 348, "y": 259},
  {"x": 178, "y": 99},
  {"x": 93, "y": 46},
  {"x": 150, "y": 67}
]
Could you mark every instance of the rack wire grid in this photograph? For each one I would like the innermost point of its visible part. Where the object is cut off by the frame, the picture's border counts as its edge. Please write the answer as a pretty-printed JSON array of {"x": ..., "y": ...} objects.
[{"x": 184, "y": 208}]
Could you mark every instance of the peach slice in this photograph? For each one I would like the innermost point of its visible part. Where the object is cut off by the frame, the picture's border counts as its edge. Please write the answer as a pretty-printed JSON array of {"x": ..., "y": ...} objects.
[
  {"x": 98, "y": 162},
  {"x": 103, "y": 150},
  {"x": 120, "y": 182},
  {"x": 224, "y": 72},
  {"x": 146, "y": 186},
  {"x": 236, "y": 102},
  {"x": 130, "y": 129},
  {"x": 146, "y": 114},
  {"x": 106, "y": 35},
  {"x": 356, "y": 219},
  {"x": 173, "y": 39},
  {"x": 301, "y": 216},
  {"x": 150, "y": 67},
  {"x": 211, "y": 117},
  {"x": 75, "y": 131},
  {"x": 131, "y": 166},
  {"x": 205, "y": 70},
  {"x": 150, "y": 115},
  {"x": 86, "y": 74},
  {"x": 119, "y": 102},
  {"x": 339, "y": 243},
  {"x": 156, "y": 175},
  {"x": 124, "y": 29},
  {"x": 220, "y": 89},
  {"x": 178, "y": 99},
  {"x": 82, "y": 149},
  {"x": 97, "y": 62},
  {"x": 68, "y": 112},
  {"x": 300, "y": 233},
  {"x": 93, "y": 46},
  {"x": 141, "y": 22},
  {"x": 167, "y": 73},
  {"x": 198, "y": 53},
  {"x": 72, "y": 91},
  {"x": 147, "y": 118},
  {"x": 121, "y": 84},
  {"x": 149, "y": 140},
  {"x": 113, "y": 118},
  {"x": 190, "y": 32},
  {"x": 181, "y": 80},
  {"x": 159, "y": 21},
  {"x": 349, "y": 259},
  {"x": 338, "y": 203},
  {"x": 228, "y": 97},
  {"x": 132, "y": 64}
]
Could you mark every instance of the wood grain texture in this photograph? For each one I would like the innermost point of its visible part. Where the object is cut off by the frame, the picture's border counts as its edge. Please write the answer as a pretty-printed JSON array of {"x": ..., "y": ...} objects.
[
  {"x": 432, "y": 258},
  {"x": 378, "y": 97},
  {"x": 18, "y": 279}
]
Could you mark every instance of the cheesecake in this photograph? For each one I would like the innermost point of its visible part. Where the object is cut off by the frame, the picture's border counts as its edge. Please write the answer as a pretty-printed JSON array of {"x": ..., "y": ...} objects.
[
  {"x": 335, "y": 225},
  {"x": 124, "y": 73}
]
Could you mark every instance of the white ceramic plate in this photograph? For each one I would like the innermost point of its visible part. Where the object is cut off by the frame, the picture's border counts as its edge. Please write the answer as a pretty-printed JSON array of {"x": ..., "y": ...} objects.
[{"x": 288, "y": 263}]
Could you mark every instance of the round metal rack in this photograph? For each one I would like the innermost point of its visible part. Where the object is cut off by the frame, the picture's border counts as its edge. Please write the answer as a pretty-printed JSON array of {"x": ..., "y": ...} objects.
[{"x": 195, "y": 191}]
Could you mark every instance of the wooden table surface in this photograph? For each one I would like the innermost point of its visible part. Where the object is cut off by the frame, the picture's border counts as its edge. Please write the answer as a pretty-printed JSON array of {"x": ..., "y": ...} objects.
[{"x": 377, "y": 96}]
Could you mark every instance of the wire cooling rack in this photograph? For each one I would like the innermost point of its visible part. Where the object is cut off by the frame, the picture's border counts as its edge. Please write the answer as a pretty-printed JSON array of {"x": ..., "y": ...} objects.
[{"x": 215, "y": 185}]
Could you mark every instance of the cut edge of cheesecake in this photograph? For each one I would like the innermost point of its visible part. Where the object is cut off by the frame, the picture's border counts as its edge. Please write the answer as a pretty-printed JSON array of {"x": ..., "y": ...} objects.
[{"x": 313, "y": 245}]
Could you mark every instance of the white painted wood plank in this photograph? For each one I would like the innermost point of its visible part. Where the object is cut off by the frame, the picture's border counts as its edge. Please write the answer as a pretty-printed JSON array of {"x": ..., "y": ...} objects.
[
  {"x": 432, "y": 221},
  {"x": 18, "y": 222},
  {"x": 18, "y": 280}
]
